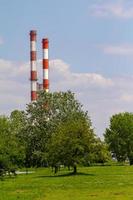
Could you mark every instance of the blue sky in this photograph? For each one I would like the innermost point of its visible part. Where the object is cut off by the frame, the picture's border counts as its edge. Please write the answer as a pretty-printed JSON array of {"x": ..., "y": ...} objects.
[
  {"x": 91, "y": 52},
  {"x": 75, "y": 34}
]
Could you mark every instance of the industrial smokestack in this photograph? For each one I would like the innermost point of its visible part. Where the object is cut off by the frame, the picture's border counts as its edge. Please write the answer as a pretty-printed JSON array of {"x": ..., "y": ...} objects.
[
  {"x": 45, "y": 46},
  {"x": 33, "y": 65}
]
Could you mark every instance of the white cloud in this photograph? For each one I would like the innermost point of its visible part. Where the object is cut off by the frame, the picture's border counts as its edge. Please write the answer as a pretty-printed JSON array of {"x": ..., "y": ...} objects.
[
  {"x": 60, "y": 72},
  {"x": 119, "y": 9},
  {"x": 123, "y": 50},
  {"x": 13, "y": 86},
  {"x": 100, "y": 95},
  {"x": 11, "y": 70}
]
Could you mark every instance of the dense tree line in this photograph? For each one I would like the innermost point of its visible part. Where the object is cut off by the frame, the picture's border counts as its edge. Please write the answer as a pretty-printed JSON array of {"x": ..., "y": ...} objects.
[
  {"x": 53, "y": 131},
  {"x": 56, "y": 131}
]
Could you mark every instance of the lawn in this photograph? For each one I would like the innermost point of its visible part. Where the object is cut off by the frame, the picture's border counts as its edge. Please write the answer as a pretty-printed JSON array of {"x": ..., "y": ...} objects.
[{"x": 95, "y": 183}]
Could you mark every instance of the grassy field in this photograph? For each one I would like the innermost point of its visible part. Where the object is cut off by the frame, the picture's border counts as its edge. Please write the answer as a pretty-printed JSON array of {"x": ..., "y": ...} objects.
[{"x": 95, "y": 183}]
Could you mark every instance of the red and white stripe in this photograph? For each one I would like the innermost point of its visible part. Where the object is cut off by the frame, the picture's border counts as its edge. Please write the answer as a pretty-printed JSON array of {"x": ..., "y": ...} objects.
[
  {"x": 33, "y": 56},
  {"x": 45, "y": 47}
]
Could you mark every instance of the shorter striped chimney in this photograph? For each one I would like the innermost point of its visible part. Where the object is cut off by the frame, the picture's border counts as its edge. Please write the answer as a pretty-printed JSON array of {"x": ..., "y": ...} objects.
[
  {"x": 45, "y": 62},
  {"x": 33, "y": 65}
]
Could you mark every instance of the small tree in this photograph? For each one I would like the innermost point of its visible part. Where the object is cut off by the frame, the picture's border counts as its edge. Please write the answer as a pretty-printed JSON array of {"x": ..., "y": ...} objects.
[
  {"x": 7, "y": 144},
  {"x": 99, "y": 152},
  {"x": 71, "y": 142},
  {"x": 17, "y": 124},
  {"x": 119, "y": 136},
  {"x": 11, "y": 147}
]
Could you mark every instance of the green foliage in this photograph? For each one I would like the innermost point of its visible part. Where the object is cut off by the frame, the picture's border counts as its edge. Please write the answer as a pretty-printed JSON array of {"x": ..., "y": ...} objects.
[
  {"x": 44, "y": 118},
  {"x": 58, "y": 131},
  {"x": 119, "y": 136},
  {"x": 99, "y": 153},
  {"x": 11, "y": 148},
  {"x": 5, "y": 141},
  {"x": 71, "y": 142},
  {"x": 53, "y": 131},
  {"x": 17, "y": 124}
]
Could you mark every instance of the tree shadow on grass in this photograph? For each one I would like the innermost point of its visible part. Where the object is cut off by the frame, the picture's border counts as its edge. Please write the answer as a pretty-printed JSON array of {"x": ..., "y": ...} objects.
[{"x": 64, "y": 175}]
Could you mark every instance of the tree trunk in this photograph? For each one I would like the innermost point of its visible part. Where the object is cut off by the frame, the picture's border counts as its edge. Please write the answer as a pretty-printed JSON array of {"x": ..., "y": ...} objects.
[
  {"x": 131, "y": 161},
  {"x": 75, "y": 169},
  {"x": 56, "y": 169}
]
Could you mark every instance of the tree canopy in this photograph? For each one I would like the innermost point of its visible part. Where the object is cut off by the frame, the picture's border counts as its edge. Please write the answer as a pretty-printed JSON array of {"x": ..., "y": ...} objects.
[
  {"x": 71, "y": 142},
  {"x": 11, "y": 148},
  {"x": 55, "y": 130},
  {"x": 58, "y": 128},
  {"x": 119, "y": 136}
]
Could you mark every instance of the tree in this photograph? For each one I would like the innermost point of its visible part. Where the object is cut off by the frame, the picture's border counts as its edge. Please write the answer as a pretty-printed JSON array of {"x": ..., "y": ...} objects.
[
  {"x": 4, "y": 135},
  {"x": 119, "y": 136},
  {"x": 6, "y": 143},
  {"x": 11, "y": 148},
  {"x": 100, "y": 153},
  {"x": 17, "y": 124},
  {"x": 72, "y": 142},
  {"x": 43, "y": 119}
]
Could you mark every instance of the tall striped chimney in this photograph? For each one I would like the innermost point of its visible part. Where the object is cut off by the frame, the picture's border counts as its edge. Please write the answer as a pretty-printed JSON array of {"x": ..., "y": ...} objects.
[
  {"x": 45, "y": 46},
  {"x": 33, "y": 65}
]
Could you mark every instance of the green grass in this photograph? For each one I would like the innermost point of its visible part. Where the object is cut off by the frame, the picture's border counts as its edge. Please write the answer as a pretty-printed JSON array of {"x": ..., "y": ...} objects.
[{"x": 92, "y": 183}]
